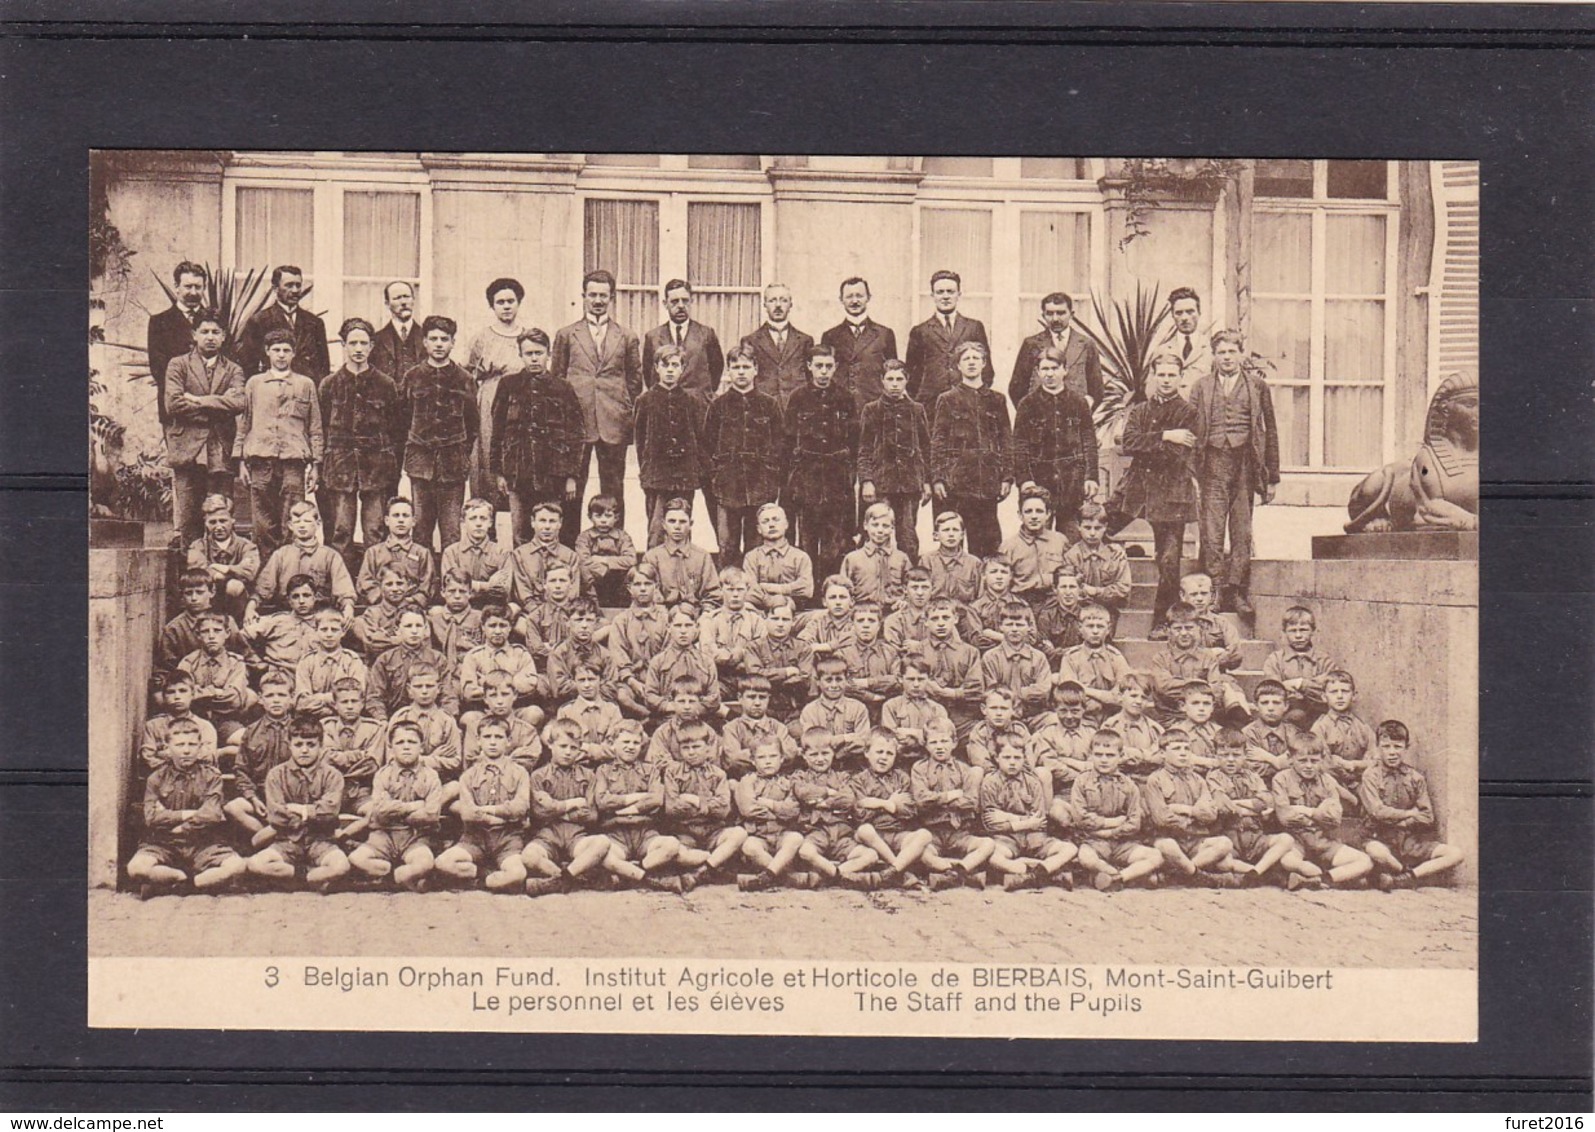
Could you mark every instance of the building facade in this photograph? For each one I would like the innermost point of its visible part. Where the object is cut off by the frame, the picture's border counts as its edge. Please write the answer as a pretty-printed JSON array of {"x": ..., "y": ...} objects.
[{"x": 1357, "y": 279}]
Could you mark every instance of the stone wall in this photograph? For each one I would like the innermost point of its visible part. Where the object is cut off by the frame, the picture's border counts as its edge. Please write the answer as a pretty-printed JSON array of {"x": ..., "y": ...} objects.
[
  {"x": 127, "y": 608},
  {"x": 1409, "y": 633}
]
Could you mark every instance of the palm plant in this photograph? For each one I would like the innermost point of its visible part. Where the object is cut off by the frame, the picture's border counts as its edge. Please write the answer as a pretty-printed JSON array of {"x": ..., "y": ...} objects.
[
  {"x": 235, "y": 296},
  {"x": 1126, "y": 334}
]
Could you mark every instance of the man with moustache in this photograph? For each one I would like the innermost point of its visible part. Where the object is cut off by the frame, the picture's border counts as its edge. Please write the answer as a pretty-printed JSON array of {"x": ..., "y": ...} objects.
[
  {"x": 1187, "y": 338},
  {"x": 171, "y": 333},
  {"x": 863, "y": 346},
  {"x": 397, "y": 348},
  {"x": 702, "y": 359},
  {"x": 779, "y": 348},
  {"x": 1082, "y": 364},
  {"x": 309, "y": 332}
]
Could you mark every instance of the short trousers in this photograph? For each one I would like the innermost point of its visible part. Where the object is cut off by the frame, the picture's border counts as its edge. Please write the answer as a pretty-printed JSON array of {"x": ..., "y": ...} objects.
[
  {"x": 491, "y": 845},
  {"x": 953, "y": 842},
  {"x": 1115, "y": 853},
  {"x": 1030, "y": 843},
  {"x": 306, "y": 854},
  {"x": 1250, "y": 844},
  {"x": 702, "y": 837},
  {"x": 835, "y": 841},
  {"x": 194, "y": 858},
  {"x": 355, "y": 795},
  {"x": 895, "y": 837},
  {"x": 1317, "y": 844},
  {"x": 392, "y": 844},
  {"x": 769, "y": 832},
  {"x": 1407, "y": 846},
  {"x": 1190, "y": 843},
  {"x": 633, "y": 840},
  {"x": 560, "y": 839}
]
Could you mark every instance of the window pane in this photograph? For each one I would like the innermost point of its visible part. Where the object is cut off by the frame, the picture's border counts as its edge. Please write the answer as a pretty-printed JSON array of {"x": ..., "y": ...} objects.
[
  {"x": 1282, "y": 253},
  {"x": 1354, "y": 428},
  {"x": 1284, "y": 179},
  {"x": 1054, "y": 168},
  {"x": 1358, "y": 180},
  {"x": 1355, "y": 255},
  {"x": 637, "y": 308},
  {"x": 723, "y": 245},
  {"x": 730, "y": 315},
  {"x": 1354, "y": 341},
  {"x": 724, "y": 161},
  {"x": 958, "y": 166},
  {"x": 622, "y": 236},
  {"x": 1054, "y": 255},
  {"x": 275, "y": 226},
  {"x": 382, "y": 234},
  {"x": 1291, "y": 416},
  {"x": 635, "y": 160},
  {"x": 363, "y": 299},
  {"x": 957, "y": 239},
  {"x": 1281, "y": 332}
]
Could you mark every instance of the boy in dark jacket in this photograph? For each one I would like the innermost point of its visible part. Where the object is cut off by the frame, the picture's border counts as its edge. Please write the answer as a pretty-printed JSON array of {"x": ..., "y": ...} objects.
[
  {"x": 1160, "y": 439},
  {"x": 970, "y": 452},
  {"x": 669, "y": 439},
  {"x": 743, "y": 442},
  {"x": 822, "y": 436},
  {"x": 894, "y": 455},
  {"x": 1054, "y": 442},
  {"x": 536, "y": 447}
]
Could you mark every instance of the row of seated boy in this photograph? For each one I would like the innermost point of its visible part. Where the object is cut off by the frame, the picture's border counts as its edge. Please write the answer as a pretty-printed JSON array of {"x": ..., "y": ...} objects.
[{"x": 843, "y": 810}]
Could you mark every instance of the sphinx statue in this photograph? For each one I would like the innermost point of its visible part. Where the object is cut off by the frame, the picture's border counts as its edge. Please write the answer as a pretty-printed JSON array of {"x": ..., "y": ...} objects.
[{"x": 1439, "y": 488}]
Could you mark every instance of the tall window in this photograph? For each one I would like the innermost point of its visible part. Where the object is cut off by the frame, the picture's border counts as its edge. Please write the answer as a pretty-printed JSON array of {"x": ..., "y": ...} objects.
[
  {"x": 1323, "y": 292},
  {"x": 1054, "y": 255},
  {"x": 723, "y": 263},
  {"x": 381, "y": 244},
  {"x": 958, "y": 239},
  {"x": 718, "y": 246},
  {"x": 275, "y": 226},
  {"x": 622, "y": 237}
]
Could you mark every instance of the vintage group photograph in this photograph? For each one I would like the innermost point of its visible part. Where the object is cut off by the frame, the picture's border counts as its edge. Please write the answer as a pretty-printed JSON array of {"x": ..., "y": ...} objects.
[{"x": 973, "y": 559}]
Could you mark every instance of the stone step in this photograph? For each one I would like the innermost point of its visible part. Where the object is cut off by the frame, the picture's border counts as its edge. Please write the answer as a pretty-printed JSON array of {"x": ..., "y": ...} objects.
[{"x": 1136, "y": 621}]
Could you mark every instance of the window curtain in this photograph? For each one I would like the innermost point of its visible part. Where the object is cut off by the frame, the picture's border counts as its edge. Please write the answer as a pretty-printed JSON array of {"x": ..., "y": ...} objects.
[
  {"x": 381, "y": 243},
  {"x": 622, "y": 237},
  {"x": 274, "y": 227},
  {"x": 1354, "y": 340},
  {"x": 957, "y": 239},
  {"x": 1054, "y": 250},
  {"x": 723, "y": 251}
]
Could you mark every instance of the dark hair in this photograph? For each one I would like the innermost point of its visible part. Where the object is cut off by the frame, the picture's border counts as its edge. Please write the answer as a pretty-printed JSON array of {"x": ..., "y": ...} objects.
[
  {"x": 195, "y": 578},
  {"x": 893, "y": 365},
  {"x": 535, "y": 334},
  {"x": 350, "y": 324},
  {"x": 601, "y": 503},
  {"x": 582, "y": 605},
  {"x": 415, "y": 728},
  {"x": 348, "y": 684},
  {"x": 937, "y": 277},
  {"x": 188, "y": 267},
  {"x": 284, "y": 269},
  {"x": 272, "y": 677},
  {"x": 821, "y": 350},
  {"x": 1056, "y": 298},
  {"x": 505, "y": 284},
  {"x": 1393, "y": 729},
  {"x": 741, "y": 354},
  {"x": 916, "y": 574},
  {"x": 495, "y": 609},
  {"x": 208, "y": 314},
  {"x": 549, "y": 505},
  {"x": 278, "y": 337},
  {"x": 599, "y": 276},
  {"x": 1015, "y": 608},
  {"x": 1180, "y": 611},
  {"x": 1340, "y": 675},
  {"x": 304, "y": 726},
  {"x": 439, "y": 322},
  {"x": 392, "y": 499},
  {"x": 1273, "y": 686},
  {"x": 756, "y": 683},
  {"x": 208, "y": 616},
  {"x": 1228, "y": 739},
  {"x": 676, "y": 285},
  {"x": 852, "y": 279},
  {"x": 1227, "y": 336},
  {"x": 1040, "y": 493},
  {"x": 677, "y": 503},
  {"x": 456, "y": 576},
  {"x": 300, "y": 580},
  {"x": 1184, "y": 293},
  {"x": 485, "y": 722}
]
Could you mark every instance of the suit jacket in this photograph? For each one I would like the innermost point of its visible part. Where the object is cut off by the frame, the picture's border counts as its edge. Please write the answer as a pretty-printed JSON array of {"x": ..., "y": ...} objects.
[
  {"x": 1265, "y": 440},
  {"x": 310, "y": 343},
  {"x": 392, "y": 356},
  {"x": 705, "y": 361},
  {"x": 607, "y": 384},
  {"x": 1080, "y": 356},
  {"x": 861, "y": 357},
  {"x": 931, "y": 371},
  {"x": 216, "y": 399},
  {"x": 171, "y": 336},
  {"x": 782, "y": 372},
  {"x": 1200, "y": 359}
]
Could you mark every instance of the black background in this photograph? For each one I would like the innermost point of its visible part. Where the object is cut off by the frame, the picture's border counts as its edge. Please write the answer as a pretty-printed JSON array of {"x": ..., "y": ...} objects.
[{"x": 1510, "y": 87}]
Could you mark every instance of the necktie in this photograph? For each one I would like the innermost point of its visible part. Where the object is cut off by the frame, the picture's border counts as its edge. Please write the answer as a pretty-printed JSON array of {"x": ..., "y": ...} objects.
[
  {"x": 1186, "y": 353},
  {"x": 680, "y": 334}
]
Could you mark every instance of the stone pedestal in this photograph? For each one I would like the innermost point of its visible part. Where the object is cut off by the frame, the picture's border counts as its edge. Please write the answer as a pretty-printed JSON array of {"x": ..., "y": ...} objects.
[
  {"x": 1430, "y": 546},
  {"x": 1408, "y": 630},
  {"x": 127, "y": 608}
]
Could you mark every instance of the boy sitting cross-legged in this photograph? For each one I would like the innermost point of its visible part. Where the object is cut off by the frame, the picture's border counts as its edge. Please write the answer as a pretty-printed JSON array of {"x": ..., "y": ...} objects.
[
  {"x": 1016, "y": 804},
  {"x": 563, "y": 848},
  {"x": 183, "y": 820},
  {"x": 1106, "y": 808},
  {"x": 769, "y": 813},
  {"x": 947, "y": 793},
  {"x": 303, "y": 799},
  {"x": 406, "y": 798},
  {"x": 495, "y": 795},
  {"x": 883, "y": 804},
  {"x": 829, "y": 847}
]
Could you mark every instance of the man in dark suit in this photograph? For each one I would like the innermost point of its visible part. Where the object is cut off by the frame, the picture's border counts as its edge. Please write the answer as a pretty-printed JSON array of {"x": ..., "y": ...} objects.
[
  {"x": 171, "y": 333},
  {"x": 863, "y": 346},
  {"x": 931, "y": 371},
  {"x": 1081, "y": 362},
  {"x": 703, "y": 359},
  {"x": 1186, "y": 338},
  {"x": 397, "y": 348},
  {"x": 310, "y": 334},
  {"x": 602, "y": 360},
  {"x": 781, "y": 349},
  {"x": 1237, "y": 457}
]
